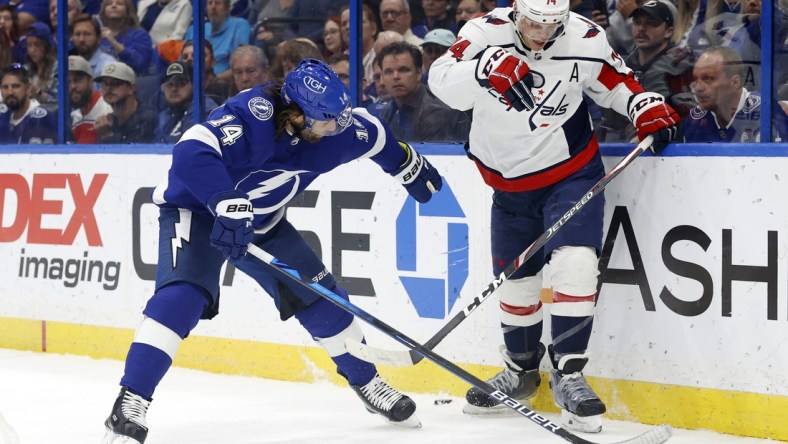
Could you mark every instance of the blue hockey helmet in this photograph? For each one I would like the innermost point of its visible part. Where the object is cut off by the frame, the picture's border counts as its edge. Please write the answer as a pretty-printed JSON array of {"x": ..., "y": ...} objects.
[{"x": 321, "y": 95}]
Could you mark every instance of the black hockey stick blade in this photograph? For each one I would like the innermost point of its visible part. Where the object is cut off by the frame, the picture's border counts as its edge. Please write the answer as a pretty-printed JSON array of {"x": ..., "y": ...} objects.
[
  {"x": 404, "y": 358},
  {"x": 655, "y": 435}
]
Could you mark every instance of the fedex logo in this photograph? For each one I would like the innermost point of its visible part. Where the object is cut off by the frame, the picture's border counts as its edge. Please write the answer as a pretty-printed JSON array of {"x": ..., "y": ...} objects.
[{"x": 32, "y": 207}]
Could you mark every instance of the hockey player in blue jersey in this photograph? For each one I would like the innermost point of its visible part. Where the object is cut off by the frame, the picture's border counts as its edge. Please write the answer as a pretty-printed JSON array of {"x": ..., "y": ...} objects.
[
  {"x": 229, "y": 182},
  {"x": 22, "y": 119}
]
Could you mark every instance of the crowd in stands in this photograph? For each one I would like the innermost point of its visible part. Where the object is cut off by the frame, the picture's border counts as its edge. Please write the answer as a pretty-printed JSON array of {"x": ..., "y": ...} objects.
[{"x": 130, "y": 62}]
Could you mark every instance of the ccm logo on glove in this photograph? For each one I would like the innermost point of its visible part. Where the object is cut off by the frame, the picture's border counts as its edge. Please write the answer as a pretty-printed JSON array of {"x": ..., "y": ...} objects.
[
  {"x": 508, "y": 75},
  {"x": 651, "y": 115}
]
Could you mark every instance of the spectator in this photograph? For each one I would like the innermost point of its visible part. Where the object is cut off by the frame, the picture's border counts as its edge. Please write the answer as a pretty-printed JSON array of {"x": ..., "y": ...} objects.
[
  {"x": 436, "y": 42},
  {"x": 369, "y": 28},
  {"x": 178, "y": 90},
  {"x": 377, "y": 91},
  {"x": 689, "y": 31},
  {"x": 658, "y": 68},
  {"x": 165, "y": 19},
  {"x": 22, "y": 119},
  {"x": 11, "y": 37},
  {"x": 385, "y": 38},
  {"x": 217, "y": 90},
  {"x": 413, "y": 114},
  {"x": 128, "y": 122},
  {"x": 304, "y": 13},
  {"x": 71, "y": 14},
  {"x": 340, "y": 63},
  {"x": 87, "y": 105},
  {"x": 332, "y": 38},
  {"x": 289, "y": 54},
  {"x": 268, "y": 31},
  {"x": 726, "y": 111},
  {"x": 123, "y": 38},
  {"x": 249, "y": 65},
  {"x": 30, "y": 11},
  {"x": 225, "y": 34},
  {"x": 489, "y": 5},
  {"x": 466, "y": 10},
  {"x": 41, "y": 63},
  {"x": 85, "y": 38},
  {"x": 395, "y": 16},
  {"x": 437, "y": 14}
]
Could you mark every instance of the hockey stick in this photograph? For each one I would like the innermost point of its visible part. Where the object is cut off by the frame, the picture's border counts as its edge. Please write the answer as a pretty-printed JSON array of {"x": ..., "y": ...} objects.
[
  {"x": 655, "y": 435},
  {"x": 403, "y": 358}
]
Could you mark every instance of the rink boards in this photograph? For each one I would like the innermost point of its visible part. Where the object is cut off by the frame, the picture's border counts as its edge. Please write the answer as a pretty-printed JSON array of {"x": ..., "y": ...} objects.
[{"x": 690, "y": 325}]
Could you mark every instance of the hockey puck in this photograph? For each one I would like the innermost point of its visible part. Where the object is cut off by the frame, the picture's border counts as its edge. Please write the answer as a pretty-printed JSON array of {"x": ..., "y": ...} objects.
[{"x": 442, "y": 401}]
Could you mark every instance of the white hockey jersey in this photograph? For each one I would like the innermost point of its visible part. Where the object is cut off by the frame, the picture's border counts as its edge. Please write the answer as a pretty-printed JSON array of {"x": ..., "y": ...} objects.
[{"x": 520, "y": 151}]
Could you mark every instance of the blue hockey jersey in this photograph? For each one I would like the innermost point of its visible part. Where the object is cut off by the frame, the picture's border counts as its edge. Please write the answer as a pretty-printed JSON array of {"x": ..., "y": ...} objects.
[
  {"x": 236, "y": 148},
  {"x": 703, "y": 126},
  {"x": 36, "y": 127}
]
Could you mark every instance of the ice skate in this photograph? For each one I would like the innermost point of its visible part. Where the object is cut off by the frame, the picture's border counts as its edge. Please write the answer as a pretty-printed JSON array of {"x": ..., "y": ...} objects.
[
  {"x": 581, "y": 408},
  {"x": 126, "y": 423},
  {"x": 395, "y": 407},
  {"x": 513, "y": 380}
]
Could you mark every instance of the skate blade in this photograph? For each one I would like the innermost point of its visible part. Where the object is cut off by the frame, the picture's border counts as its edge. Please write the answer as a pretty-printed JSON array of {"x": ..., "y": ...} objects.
[
  {"x": 111, "y": 437},
  {"x": 496, "y": 410},
  {"x": 584, "y": 424},
  {"x": 412, "y": 422}
]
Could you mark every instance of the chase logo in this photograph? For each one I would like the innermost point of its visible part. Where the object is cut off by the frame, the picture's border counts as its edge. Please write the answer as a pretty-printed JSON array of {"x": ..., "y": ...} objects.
[
  {"x": 433, "y": 267},
  {"x": 314, "y": 85}
]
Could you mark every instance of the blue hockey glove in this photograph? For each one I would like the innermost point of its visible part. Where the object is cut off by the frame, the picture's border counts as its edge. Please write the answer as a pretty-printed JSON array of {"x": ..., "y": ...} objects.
[
  {"x": 651, "y": 115},
  {"x": 508, "y": 75},
  {"x": 232, "y": 229},
  {"x": 417, "y": 175}
]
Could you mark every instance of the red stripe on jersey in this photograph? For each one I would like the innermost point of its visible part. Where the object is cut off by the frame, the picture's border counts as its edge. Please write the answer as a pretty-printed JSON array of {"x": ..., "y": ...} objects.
[
  {"x": 544, "y": 178},
  {"x": 560, "y": 297},
  {"x": 611, "y": 78},
  {"x": 521, "y": 311}
]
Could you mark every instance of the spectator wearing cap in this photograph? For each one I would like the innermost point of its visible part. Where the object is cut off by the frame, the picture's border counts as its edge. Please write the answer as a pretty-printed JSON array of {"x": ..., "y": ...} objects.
[
  {"x": 22, "y": 119},
  {"x": 178, "y": 92},
  {"x": 41, "y": 63},
  {"x": 436, "y": 42},
  {"x": 87, "y": 105},
  {"x": 395, "y": 16},
  {"x": 655, "y": 64},
  {"x": 129, "y": 121},
  {"x": 249, "y": 66},
  {"x": 225, "y": 34},
  {"x": 85, "y": 37},
  {"x": 165, "y": 19},
  {"x": 123, "y": 38}
]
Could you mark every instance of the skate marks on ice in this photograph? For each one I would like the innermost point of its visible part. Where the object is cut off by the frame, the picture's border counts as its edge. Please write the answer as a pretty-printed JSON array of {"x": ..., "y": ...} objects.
[{"x": 61, "y": 399}]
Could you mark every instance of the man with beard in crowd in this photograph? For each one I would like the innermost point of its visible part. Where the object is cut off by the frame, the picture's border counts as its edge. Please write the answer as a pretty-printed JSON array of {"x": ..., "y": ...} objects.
[
  {"x": 129, "y": 121},
  {"x": 86, "y": 36},
  {"x": 87, "y": 105},
  {"x": 178, "y": 93},
  {"x": 22, "y": 119}
]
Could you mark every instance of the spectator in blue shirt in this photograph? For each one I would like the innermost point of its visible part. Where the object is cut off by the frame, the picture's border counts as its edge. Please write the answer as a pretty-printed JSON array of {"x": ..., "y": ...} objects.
[
  {"x": 22, "y": 120},
  {"x": 225, "y": 34},
  {"x": 123, "y": 37}
]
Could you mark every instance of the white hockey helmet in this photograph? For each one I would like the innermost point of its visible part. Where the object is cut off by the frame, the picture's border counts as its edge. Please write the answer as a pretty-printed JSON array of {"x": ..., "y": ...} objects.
[{"x": 541, "y": 20}]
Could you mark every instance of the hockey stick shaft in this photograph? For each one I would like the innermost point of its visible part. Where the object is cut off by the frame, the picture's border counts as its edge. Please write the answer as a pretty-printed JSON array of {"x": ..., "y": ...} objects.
[
  {"x": 655, "y": 435},
  {"x": 406, "y": 358}
]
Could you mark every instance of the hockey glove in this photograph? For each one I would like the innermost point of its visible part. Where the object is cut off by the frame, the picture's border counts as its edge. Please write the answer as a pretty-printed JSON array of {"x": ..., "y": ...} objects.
[
  {"x": 651, "y": 115},
  {"x": 508, "y": 75},
  {"x": 232, "y": 229},
  {"x": 417, "y": 175}
]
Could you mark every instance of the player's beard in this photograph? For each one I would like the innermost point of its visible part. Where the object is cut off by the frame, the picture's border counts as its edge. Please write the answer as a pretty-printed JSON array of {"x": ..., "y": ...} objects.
[{"x": 304, "y": 134}]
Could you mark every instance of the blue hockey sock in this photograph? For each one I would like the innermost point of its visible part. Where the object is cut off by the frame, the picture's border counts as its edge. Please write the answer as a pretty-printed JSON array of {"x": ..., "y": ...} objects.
[
  {"x": 145, "y": 367},
  {"x": 522, "y": 344},
  {"x": 570, "y": 334}
]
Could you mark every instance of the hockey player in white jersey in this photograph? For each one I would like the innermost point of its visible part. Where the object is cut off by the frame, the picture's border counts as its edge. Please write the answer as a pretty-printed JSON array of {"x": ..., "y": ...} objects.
[{"x": 523, "y": 70}]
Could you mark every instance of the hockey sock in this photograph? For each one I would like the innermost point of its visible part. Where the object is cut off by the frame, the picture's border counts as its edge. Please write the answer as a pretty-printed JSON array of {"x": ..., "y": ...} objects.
[
  {"x": 570, "y": 335},
  {"x": 522, "y": 344},
  {"x": 330, "y": 326},
  {"x": 145, "y": 367}
]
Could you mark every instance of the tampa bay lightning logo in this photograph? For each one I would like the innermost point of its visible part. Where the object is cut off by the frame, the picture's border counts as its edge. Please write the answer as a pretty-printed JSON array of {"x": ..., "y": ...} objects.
[
  {"x": 271, "y": 190},
  {"x": 314, "y": 85},
  {"x": 261, "y": 108}
]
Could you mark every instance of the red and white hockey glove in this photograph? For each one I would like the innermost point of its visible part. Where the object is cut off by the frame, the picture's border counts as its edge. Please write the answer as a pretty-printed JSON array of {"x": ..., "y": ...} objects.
[
  {"x": 651, "y": 115},
  {"x": 508, "y": 75}
]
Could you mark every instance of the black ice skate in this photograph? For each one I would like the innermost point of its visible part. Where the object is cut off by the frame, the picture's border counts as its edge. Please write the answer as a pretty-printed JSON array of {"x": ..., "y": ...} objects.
[
  {"x": 126, "y": 423},
  {"x": 380, "y": 398},
  {"x": 581, "y": 408},
  {"x": 521, "y": 384}
]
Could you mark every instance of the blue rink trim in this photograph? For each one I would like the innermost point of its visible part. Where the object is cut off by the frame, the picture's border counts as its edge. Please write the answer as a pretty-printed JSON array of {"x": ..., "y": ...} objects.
[{"x": 441, "y": 149}]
